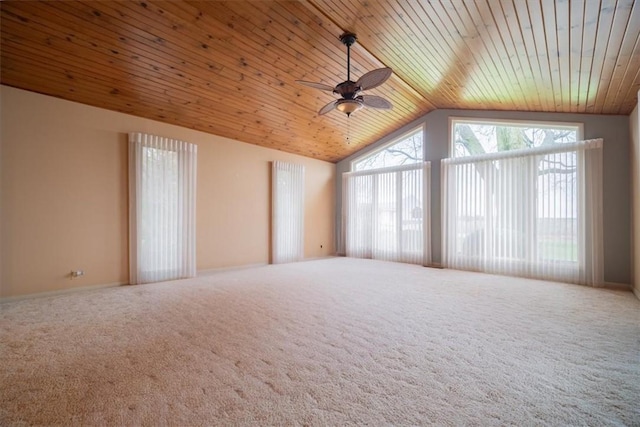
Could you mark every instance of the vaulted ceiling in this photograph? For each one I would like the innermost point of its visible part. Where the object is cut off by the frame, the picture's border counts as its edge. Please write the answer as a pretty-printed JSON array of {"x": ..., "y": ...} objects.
[{"x": 229, "y": 67}]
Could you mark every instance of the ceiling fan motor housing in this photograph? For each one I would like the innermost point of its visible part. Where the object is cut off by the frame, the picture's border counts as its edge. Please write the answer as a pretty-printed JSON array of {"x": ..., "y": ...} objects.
[{"x": 348, "y": 89}]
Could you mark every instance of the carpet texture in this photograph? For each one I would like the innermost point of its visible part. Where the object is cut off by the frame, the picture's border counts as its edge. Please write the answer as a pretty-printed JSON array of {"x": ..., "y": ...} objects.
[{"x": 328, "y": 342}]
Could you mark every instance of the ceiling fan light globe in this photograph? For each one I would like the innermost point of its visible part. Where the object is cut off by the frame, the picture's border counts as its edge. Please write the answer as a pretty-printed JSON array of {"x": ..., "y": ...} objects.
[{"x": 348, "y": 106}]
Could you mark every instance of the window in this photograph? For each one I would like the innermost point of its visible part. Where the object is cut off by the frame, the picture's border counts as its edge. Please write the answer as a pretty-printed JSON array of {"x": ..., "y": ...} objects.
[
  {"x": 406, "y": 150},
  {"x": 162, "y": 188},
  {"x": 288, "y": 212},
  {"x": 386, "y": 203},
  {"x": 523, "y": 200},
  {"x": 386, "y": 214},
  {"x": 475, "y": 137}
]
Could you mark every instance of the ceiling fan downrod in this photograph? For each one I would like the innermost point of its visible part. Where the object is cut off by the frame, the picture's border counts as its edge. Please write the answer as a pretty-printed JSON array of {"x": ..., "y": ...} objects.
[{"x": 348, "y": 39}]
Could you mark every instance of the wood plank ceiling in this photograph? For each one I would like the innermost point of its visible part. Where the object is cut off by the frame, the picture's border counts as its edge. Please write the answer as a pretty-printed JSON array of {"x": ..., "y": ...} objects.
[{"x": 229, "y": 67}]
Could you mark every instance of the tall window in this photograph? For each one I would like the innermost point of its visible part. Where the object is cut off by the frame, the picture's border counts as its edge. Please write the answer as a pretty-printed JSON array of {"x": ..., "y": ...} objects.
[
  {"x": 386, "y": 203},
  {"x": 288, "y": 212},
  {"x": 384, "y": 214},
  {"x": 406, "y": 150},
  {"x": 162, "y": 192},
  {"x": 532, "y": 211}
]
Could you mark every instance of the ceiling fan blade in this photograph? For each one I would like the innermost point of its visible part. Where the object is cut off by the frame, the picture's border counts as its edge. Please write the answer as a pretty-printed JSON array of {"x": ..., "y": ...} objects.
[
  {"x": 330, "y": 106},
  {"x": 378, "y": 102},
  {"x": 320, "y": 86},
  {"x": 374, "y": 78}
]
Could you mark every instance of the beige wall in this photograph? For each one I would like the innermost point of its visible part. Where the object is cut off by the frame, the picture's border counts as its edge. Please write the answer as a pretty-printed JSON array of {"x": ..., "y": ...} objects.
[
  {"x": 634, "y": 121},
  {"x": 63, "y": 183}
]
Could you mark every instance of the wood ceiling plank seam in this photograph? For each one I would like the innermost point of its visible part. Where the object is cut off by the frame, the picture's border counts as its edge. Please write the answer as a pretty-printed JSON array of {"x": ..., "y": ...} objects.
[
  {"x": 494, "y": 45},
  {"x": 548, "y": 14},
  {"x": 590, "y": 29},
  {"x": 491, "y": 61},
  {"x": 414, "y": 40},
  {"x": 621, "y": 16},
  {"x": 463, "y": 55},
  {"x": 540, "y": 40},
  {"x": 603, "y": 36},
  {"x": 627, "y": 58},
  {"x": 564, "y": 50},
  {"x": 526, "y": 30},
  {"x": 514, "y": 23},
  {"x": 364, "y": 52},
  {"x": 576, "y": 16},
  {"x": 251, "y": 76}
]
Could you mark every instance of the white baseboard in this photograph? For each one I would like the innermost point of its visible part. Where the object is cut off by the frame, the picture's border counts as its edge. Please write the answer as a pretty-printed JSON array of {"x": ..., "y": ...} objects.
[{"x": 62, "y": 291}]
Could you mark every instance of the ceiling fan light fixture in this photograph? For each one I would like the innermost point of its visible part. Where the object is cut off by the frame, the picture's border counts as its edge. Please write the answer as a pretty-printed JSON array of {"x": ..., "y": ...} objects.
[{"x": 348, "y": 106}]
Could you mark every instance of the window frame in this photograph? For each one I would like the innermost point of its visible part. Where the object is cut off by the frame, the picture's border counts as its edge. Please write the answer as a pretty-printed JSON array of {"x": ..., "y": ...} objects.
[
  {"x": 541, "y": 124},
  {"x": 392, "y": 141}
]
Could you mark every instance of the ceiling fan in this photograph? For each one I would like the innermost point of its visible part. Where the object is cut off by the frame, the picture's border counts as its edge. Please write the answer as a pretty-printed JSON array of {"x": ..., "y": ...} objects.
[{"x": 351, "y": 100}]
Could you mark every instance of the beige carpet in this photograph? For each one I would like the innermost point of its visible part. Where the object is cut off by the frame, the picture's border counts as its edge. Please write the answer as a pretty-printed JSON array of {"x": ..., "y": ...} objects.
[{"x": 328, "y": 342}]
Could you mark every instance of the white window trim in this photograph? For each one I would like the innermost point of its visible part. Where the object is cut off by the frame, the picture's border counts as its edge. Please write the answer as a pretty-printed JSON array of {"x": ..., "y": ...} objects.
[
  {"x": 404, "y": 135},
  {"x": 524, "y": 123}
]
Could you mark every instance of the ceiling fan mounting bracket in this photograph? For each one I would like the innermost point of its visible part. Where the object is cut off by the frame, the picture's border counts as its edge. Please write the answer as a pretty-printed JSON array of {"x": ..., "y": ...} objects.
[{"x": 348, "y": 39}]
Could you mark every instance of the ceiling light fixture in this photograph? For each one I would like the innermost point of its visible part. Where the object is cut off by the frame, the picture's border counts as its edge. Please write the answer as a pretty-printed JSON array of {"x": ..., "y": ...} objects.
[{"x": 348, "y": 106}]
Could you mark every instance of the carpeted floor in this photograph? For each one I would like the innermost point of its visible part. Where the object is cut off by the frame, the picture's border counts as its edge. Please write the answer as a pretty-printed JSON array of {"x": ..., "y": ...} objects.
[{"x": 328, "y": 342}]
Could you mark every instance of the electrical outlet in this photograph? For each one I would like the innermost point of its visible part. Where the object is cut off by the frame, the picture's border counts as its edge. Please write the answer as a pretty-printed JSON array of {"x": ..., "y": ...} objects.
[{"x": 76, "y": 273}]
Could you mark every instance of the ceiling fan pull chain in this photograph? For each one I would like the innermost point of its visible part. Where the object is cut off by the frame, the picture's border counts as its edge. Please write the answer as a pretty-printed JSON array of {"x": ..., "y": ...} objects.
[{"x": 348, "y": 129}]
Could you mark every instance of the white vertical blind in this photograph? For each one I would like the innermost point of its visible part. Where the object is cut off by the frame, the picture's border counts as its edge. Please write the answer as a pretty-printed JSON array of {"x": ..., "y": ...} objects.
[
  {"x": 533, "y": 213},
  {"x": 386, "y": 214},
  {"x": 162, "y": 201},
  {"x": 287, "y": 212}
]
